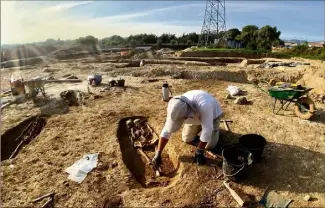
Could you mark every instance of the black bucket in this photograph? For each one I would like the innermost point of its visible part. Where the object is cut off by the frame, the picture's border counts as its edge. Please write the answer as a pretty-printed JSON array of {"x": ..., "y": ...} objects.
[
  {"x": 235, "y": 162},
  {"x": 120, "y": 83},
  {"x": 254, "y": 143}
]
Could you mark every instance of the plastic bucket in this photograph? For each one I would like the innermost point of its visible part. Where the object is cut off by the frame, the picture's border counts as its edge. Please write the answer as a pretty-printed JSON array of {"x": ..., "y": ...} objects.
[
  {"x": 120, "y": 83},
  {"x": 17, "y": 87},
  {"x": 98, "y": 79},
  {"x": 253, "y": 143},
  {"x": 235, "y": 162}
]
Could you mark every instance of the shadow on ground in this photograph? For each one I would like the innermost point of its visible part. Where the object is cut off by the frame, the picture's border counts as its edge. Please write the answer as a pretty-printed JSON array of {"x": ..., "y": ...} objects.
[
  {"x": 283, "y": 167},
  {"x": 319, "y": 117},
  {"x": 288, "y": 168},
  {"x": 51, "y": 106}
]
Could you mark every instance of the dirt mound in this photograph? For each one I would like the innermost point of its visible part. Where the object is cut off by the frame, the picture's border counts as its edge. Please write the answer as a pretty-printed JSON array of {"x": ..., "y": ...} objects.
[
  {"x": 145, "y": 55},
  {"x": 73, "y": 49},
  {"x": 314, "y": 79},
  {"x": 212, "y": 61},
  {"x": 72, "y": 97},
  {"x": 187, "y": 50},
  {"x": 181, "y": 73},
  {"x": 166, "y": 51},
  {"x": 136, "y": 63},
  {"x": 280, "y": 76},
  {"x": 219, "y": 54}
]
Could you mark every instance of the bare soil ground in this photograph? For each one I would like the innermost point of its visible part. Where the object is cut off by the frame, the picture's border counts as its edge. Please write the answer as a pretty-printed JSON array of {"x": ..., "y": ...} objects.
[{"x": 293, "y": 159}]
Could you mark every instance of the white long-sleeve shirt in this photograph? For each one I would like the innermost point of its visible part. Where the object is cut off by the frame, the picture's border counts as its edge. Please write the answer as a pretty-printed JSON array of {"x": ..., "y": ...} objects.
[{"x": 208, "y": 109}]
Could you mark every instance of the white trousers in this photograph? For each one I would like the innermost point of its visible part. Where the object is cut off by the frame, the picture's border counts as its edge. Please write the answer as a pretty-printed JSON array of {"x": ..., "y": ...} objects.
[{"x": 190, "y": 131}]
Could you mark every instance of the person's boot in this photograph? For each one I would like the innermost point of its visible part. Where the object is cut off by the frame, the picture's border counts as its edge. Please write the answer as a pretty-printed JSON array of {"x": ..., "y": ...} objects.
[{"x": 199, "y": 157}]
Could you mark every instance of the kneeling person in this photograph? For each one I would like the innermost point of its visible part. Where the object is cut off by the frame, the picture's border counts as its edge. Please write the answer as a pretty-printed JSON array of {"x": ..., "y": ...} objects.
[{"x": 200, "y": 112}]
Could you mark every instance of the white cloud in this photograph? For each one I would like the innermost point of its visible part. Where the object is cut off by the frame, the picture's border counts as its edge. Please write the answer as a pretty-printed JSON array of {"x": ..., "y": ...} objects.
[
  {"x": 32, "y": 21},
  {"x": 131, "y": 16},
  {"x": 66, "y": 6},
  {"x": 258, "y": 6},
  {"x": 49, "y": 22}
]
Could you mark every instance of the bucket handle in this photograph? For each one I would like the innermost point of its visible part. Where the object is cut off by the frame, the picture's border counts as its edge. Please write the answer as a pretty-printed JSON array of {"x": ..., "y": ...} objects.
[
  {"x": 249, "y": 162},
  {"x": 224, "y": 172}
]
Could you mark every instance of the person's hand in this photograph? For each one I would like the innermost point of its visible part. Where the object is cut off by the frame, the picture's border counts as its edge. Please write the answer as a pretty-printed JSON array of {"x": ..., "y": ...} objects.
[
  {"x": 156, "y": 162},
  {"x": 199, "y": 157}
]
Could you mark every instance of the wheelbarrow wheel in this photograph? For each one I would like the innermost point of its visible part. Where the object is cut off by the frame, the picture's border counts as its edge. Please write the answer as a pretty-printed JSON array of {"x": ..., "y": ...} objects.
[{"x": 308, "y": 109}]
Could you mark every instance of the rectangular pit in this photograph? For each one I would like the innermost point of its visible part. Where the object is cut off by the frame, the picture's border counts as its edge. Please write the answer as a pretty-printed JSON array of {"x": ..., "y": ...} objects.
[
  {"x": 15, "y": 138},
  {"x": 136, "y": 162}
]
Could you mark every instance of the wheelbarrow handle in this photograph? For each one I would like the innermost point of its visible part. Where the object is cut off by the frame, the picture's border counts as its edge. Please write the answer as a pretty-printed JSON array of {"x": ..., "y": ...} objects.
[{"x": 258, "y": 87}]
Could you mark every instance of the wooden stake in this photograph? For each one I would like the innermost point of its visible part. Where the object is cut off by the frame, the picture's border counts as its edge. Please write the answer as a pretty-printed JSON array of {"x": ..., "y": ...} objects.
[
  {"x": 226, "y": 126},
  {"x": 42, "y": 197},
  {"x": 5, "y": 105},
  {"x": 234, "y": 194},
  {"x": 214, "y": 156},
  {"x": 47, "y": 203},
  {"x": 64, "y": 80},
  {"x": 225, "y": 122}
]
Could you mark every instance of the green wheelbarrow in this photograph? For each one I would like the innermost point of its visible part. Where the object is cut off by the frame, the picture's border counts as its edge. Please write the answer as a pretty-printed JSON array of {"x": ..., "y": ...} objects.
[{"x": 304, "y": 106}]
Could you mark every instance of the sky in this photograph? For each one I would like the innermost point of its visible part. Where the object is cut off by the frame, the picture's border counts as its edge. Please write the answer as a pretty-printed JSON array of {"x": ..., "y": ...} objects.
[{"x": 34, "y": 21}]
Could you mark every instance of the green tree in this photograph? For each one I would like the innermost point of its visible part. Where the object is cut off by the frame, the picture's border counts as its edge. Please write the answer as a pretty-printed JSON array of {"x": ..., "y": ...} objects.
[
  {"x": 132, "y": 43},
  {"x": 166, "y": 38},
  {"x": 173, "y": 42},
  {"x": 267, "y": 37},
  {"x": 194, "y": 37},
  {"x": 113, "y": 40},
  {"x": 88, "y": 41},
  {"x": 232, "y": 34},
  {"x": 149, "y": 39},
  {"x": 51, "y": 41},
  {"x": 249, "y": 36},
  {"x": 220, "y": 35},
  {"x": 138, "y": 39},
  {"x": 189, "y": 42}
]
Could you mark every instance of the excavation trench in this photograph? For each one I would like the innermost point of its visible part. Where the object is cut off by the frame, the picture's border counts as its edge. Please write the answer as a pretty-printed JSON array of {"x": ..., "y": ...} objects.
[
  {"x": 136, "y": 162},
  {"x": 21, "y": 135}
]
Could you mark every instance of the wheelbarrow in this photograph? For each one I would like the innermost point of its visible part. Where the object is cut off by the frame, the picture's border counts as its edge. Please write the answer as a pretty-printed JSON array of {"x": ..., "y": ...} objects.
[
  {"x": 35, "y": 86},
  {"x": 304, "y": 107}
]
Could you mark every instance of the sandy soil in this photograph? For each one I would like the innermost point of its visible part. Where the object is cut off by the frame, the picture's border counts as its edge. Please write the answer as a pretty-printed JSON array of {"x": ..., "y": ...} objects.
[{"x": 293, "y": 159}]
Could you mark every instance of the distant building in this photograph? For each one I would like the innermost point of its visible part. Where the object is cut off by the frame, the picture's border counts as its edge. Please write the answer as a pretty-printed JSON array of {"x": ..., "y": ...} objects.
[
  {"x": 291, "y": 44},
  {"x": 316, "y": 44},
  {"x": 234, "y": 43},
  {"x": 288, "y": 44}
]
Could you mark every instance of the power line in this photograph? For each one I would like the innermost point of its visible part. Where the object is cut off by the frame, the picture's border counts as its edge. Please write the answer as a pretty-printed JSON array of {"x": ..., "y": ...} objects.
[{"x": 214, "y": 22}]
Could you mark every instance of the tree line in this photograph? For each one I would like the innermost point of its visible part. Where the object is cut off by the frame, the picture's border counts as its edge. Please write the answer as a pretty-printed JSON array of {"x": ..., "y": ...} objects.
[
  {"x": 142, "y": 39},
  {"x": 250, "y": 37}
]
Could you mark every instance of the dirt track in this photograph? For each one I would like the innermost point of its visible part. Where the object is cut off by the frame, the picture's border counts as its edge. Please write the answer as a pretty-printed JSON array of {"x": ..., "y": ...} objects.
[{"x": 293, "y": 163}]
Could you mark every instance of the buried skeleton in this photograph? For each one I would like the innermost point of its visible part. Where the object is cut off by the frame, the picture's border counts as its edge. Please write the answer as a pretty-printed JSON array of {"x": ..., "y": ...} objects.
[{"x": 137, "y": 142}]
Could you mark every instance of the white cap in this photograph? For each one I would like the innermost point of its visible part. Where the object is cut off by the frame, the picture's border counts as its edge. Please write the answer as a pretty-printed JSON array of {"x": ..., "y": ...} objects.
[{"x": 177, "y": 111}]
